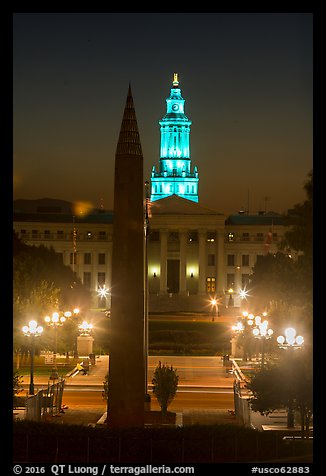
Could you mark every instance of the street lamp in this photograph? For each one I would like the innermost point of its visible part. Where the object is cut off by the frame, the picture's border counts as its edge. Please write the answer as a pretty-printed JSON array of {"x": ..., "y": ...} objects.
[
  {"x": 55, "y": 321},
  {"x": 75, "y": 313},
  {"x": 262, "y": 332},
  {"x": 290, "y": 342},
  {"x": 32, "y": 331},
  {"x": 231, "y": 301},
  {"x": 85, "y": 328},
  {"x": 214, "y": 305}
]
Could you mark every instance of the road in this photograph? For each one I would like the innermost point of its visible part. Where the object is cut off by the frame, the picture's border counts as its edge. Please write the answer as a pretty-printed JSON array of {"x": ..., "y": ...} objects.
[
  {"x": 203, "y": 383},
  {"x": 221, "y": 399}
]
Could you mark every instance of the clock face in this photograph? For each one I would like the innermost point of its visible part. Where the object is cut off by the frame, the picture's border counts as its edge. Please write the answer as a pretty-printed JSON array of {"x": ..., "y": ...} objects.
[{"x": 175, "y": 107}]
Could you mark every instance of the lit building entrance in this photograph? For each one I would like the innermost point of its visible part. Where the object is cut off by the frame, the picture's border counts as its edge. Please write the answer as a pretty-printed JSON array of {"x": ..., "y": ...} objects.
[{"x": 173, "y": 275}]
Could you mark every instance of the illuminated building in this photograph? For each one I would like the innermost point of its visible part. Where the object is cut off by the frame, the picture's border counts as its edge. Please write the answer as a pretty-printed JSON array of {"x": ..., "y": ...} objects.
[
  {"x": 175, "y": 176},
  {"x": 193, "y": 251}
]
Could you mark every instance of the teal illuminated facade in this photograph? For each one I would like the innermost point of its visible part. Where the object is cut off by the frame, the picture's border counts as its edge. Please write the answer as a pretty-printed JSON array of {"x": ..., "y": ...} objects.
[{"x": 175, "y": 176}]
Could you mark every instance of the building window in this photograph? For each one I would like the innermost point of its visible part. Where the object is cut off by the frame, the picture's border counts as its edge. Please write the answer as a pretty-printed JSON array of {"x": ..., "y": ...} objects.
[
  {"x": 173, "y": 236},
  {"x": 245, "y": 281},
  {"x": 47, "y": 234},
  {"x": 211, "y": 260},
  {"x": 102, "y": 235},
  {"x": 211, "y": 236},
  {"x": 245, "y": 260},
  {"x": 87, "y": 258},
  {"x": 245, "y": 236},
  {"x": 193, "y": 236},
  {"x": 101, "y": 279},
  {"x": 211, "y": 284},
  {"x": 60, "y": 234},
  {"x": 101, "y": 258},
  {"x": 230, "y": 280},
  {"x": 34, "y": 234},
  {"x": 87, "y": 279},
  {"x": 154, "y": 235},
  {"x": 260, "y": 236},
  {"x": 73, "y": 258},
  {"x": 230, "y": 236},
  {"x": 275, "y": 237},
  {"x": 230, "y": 260}
]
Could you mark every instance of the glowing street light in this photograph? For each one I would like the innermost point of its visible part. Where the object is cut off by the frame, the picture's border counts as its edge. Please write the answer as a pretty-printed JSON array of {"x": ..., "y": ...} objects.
[
  {"x": 85, "y": 328},
  {"x": 32, "y": 331},
  {"x": 290, "y": 342},
  {"x": 262, "y": 332},
  {"x": 231, "y": 302},
  {"x": 103, "y": 292},
  {"x": 55, "y": 321},
  {"x": 214, "y": 305}
]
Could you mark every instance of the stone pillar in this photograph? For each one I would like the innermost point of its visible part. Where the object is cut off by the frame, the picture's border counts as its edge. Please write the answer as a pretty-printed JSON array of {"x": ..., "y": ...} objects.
[
  {"x": 164, "y": 249},
  {"x": 202, "y": 262},
  {"x": 85, "y": 345},
  {"x": 183, "y": 262},
  {"x": 220, "y": 261}
]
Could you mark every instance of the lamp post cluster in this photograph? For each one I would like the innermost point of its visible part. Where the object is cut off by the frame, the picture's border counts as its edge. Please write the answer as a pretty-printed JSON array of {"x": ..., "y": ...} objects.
[
  {"x": 290, "y": 341},
  {"x": 32, "y": 331},
  {"x": 85, "y": 329},
  {"x": 261, "y": 330}
]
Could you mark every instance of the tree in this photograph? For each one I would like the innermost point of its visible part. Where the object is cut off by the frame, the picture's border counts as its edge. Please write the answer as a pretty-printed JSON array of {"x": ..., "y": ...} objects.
[
  {"x": 42, "y": 285},
  {"x": 287, "y": 384},
  {"x": 300, "y": 219},
  {"x": 17, "y": 386},
  {"x": 282, "y": 281},
  {"x": 165, "y": 383},
  {"x": 105, "y": 391}
]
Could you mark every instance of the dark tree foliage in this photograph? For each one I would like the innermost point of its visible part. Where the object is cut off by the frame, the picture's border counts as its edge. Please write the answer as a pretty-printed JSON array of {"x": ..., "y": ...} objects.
[
  {"x": 33, "y": 265},
  {"x": 289, "y": 383},
  {"x": 42, "y": 284},
  {"x": 282, "y": 282},
  {"x": 165, "y": 384},
  {"x": 300, "y": 219}
]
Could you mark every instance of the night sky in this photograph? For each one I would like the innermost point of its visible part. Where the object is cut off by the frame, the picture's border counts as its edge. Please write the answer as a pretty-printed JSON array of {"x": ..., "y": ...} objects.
[{"x": 246, "y": 78}]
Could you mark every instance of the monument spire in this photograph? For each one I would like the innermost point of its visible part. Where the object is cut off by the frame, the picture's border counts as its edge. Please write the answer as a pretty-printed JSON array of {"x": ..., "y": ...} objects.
[
  {"x": 129, "y": 140},
  {"x": 126, "y": 364}
]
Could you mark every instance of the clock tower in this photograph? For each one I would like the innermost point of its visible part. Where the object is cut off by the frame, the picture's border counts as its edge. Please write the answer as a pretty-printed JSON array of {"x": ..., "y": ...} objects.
[{"x": 175, "y": 176}]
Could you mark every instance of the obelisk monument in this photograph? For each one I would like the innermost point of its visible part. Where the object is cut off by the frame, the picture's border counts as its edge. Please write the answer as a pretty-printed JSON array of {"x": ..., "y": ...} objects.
[{"x": 126, "y": 353}]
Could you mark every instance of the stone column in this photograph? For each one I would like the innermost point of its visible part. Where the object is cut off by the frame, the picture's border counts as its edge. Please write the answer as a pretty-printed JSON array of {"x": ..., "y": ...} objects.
[
  {"x": 202, "y": 262},
  {"x": 163, "y": 258},
  {"x": 220, "y": 261},
  {"x": 183, "y": 262}
]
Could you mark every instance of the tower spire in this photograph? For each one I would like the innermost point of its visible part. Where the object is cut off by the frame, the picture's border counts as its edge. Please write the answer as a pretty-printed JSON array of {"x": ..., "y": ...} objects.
[
  {"x": 129, "y": 140},
  {"x": 175, "y": 175}
]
